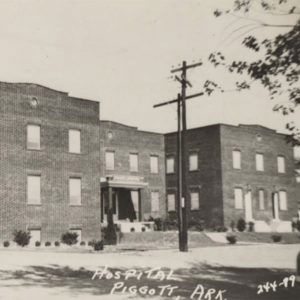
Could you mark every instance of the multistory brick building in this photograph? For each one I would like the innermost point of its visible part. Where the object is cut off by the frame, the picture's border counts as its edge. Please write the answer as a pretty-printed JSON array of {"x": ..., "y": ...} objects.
[
  {"x": 244, "y": 171},
  {"x": 133, "y": 170},
  {"x": 49, "y": 163}
]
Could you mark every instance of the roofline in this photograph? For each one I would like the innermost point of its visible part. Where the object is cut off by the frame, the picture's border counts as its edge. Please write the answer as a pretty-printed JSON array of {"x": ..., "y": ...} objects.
[
  {"x": 132, "y": 127},
  {"x": 230, "y": 125}
]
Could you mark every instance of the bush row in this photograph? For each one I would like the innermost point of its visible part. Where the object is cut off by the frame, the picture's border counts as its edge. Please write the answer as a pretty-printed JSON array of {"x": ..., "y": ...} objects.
[{"x": 22, "y": 238}]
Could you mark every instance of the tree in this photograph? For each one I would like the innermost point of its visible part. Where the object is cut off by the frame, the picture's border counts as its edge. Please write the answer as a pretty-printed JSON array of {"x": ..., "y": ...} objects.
[{"x": 277, "y": 67}]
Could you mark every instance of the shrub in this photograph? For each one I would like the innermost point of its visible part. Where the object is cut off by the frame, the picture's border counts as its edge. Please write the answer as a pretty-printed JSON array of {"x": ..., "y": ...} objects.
[
  {"x": 196, "y": 225},
  {"x": 6, "y": 244},
  {"x": 98, "y": 245},
  {"x": 221, "y": 229},
  {"x": 69, "y": 238},
  {"x": 276, "y": 238},
  {"x": 132, "y": 229},
  {"x": 47, "y": 244},
  {"x": 21, "y": 237},
  {"x": 82, "y": 243},
  {"x": 231, "y": 239},
  {"x": 37, "y": 243},
  {"x": 56, "y": 243},
  {"x": 251, "y": 226},
  {"x": 143, "y": 229},
  {"x": 241, "y": 225},
  {"x": 91, "y": 243},
  {"x": 298, "y": 225}
]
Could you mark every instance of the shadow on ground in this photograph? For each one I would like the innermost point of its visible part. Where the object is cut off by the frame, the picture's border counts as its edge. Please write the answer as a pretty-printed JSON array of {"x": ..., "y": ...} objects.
[{"x": 239, "y": 283}]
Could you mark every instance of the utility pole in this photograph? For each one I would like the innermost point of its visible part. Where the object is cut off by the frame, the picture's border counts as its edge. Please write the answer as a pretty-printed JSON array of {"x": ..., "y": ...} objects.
[{"x": 183, "y": 198}]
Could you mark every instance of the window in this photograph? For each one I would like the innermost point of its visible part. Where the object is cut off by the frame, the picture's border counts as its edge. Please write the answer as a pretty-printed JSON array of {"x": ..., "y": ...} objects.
[
  {"x": 298, "y": 175},
  {"x": 133, "y": 162},
  {"x": 110, "y": 160},
  {"x": 171, "y": 202},
  {"x": 261, "y": 199},
  {"x": 135, "y": 200},
  {"x": 282, "y": 200},
  {"x": 296, "y": 152},
  {"x": 154, "y": 164},
  {"x": 281, "y": 164},
  {"x": 75, "y": 191},
  {"x": 74, "y": 141},
  {"x": 78, "y": 231},
  {"x": 33, "y": 137},
  {"x": 236, "y": 157},
  {"x": 238, "y": 198},
  {"x": 170, "y": 165},
  {"x": 259, "y": 158},
  {"x": 154, "y": 201},
  {"x": 194, "y": 201},
  {"x": 34, "y": 189},
  {"x": 193, "y": 162}
]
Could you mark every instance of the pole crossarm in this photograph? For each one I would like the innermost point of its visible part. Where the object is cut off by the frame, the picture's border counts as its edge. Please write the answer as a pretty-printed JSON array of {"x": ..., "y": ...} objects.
[
  {"x": 176, "y": 100},
  {"x": 187, "y": 67}
]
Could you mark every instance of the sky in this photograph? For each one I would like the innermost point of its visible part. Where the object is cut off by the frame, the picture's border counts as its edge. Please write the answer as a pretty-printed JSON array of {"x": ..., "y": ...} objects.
[{"x": 120, "y": 52}]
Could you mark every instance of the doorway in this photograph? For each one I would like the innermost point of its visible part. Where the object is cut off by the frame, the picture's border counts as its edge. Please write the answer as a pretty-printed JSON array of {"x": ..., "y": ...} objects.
[{"x": 248, "y": 207}]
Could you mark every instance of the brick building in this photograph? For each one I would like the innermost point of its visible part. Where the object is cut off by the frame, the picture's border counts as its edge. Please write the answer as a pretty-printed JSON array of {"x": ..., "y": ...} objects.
[
  {"x": 133, "y": 170},
  {"x": 243, "y": 171},
  {"x": 49, "y": 164}
]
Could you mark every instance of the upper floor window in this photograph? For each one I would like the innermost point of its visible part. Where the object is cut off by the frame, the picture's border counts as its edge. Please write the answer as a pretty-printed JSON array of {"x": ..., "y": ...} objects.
[
  {"x": 133, "y": 162},
  {"x": 238, "y": 198},
  {"x": 259, "y": 160},
  {"x": 74, "y": 141},
  {"x": 281, "y": 164},
  {"x": 193, "y": 162},
  {"x": 170, "y": 165},
  {"x": 109, "y": 160},
  {"x": 154, "y": 201},
  {"x": 296, "y": 152},
  {"x": 33, "y": 137},
  {"x": 34, "y": 189},
  {"x": 282, "y": 200},
  {"x": 171, "y": 202},
  {"x": 154, "y": 164},
  {"x": 298, "y": 175},
  {"x": 261, "y": 199},
  {"x": 194, "y": 200},
  {"x": 236, "y": 159},
  {"x": 75, "y": 191}
]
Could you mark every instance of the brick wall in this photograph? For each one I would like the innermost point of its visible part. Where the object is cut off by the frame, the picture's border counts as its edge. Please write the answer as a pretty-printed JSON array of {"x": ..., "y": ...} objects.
[
  {"x": 251, "y": 140},
  {"x": 206, "y": 180},
  {"x": 56, "y": 113},
  {"x": 125, "y": 140}
]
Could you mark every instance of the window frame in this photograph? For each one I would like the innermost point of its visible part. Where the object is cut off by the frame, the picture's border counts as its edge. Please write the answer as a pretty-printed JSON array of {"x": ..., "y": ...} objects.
[
  {"x": 257, "y": 161},
  {"x": 198, "y": 200},
  {"x": 168, "y": 201},
  {"x": 37, "y": 201},
  {"x": 236, "y": 166},
  {"x": 113, "y": 162},
  {"x": 192, "y": 154},
  {"x": 156, "y": 169},
  {"x": 33, "y": 125},
  {"x": 133, "y": 154},
  {"x": 281, "y": 208},
  {"x": 69, "y": 140},
  {"x": 261, "y": 200},
  {"x": 171, "y": 157},
  {"x": 279, "y": 171},
  {"x": 69, "y": 186},
  {"x": 158, "y": 198},
  {"x": 242, "y": 198}
]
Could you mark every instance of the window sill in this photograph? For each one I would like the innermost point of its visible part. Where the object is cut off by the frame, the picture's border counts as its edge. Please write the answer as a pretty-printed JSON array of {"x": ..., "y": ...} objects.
[
  {"x": 33, "y": 204},
  {"x": 75, "y": 205},
  {"x": 196, "y": 170},
  {"x": 170, "y": 173},
  {"x": 32, "y": 149},
  {"x": 76, "y": 153}
]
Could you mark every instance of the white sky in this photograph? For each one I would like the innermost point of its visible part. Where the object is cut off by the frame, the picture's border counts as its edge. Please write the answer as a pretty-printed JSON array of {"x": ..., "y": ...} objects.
[{"x": 121, "y": 51}]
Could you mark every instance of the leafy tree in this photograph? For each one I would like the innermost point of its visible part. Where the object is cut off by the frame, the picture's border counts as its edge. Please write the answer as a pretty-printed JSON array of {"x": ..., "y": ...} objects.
[{"x": 277, "y": 62}]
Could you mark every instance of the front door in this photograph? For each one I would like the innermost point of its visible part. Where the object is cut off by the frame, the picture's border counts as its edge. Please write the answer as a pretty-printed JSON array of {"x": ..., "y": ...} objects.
[
  {"x": 248, "y": 207},
  {"x": 105, "y": 203}
]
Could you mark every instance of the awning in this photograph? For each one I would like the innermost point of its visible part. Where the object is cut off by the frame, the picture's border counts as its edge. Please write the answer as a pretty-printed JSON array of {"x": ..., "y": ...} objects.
[{"x": 130, "y": 182}]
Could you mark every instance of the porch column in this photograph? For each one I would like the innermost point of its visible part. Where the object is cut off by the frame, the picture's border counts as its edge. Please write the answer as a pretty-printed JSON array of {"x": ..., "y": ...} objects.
[{"x": 140, "y": 206}]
